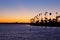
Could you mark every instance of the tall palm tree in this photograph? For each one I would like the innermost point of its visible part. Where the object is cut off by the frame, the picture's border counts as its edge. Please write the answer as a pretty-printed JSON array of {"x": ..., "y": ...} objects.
[
  {"x": 45, "y": 16},
  {"x": 35, "y": 18},
  {"x": 39, "y": 16},
  {"x": 50, "y": 16},
  {"x": 56, "y": 16},
  {"x": 56, "y": 13},
  {"x": 46, "y": 13}
]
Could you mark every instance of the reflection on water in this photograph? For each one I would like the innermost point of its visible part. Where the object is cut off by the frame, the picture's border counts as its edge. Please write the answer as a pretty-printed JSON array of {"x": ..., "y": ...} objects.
[{"x": 27, "y": 32}]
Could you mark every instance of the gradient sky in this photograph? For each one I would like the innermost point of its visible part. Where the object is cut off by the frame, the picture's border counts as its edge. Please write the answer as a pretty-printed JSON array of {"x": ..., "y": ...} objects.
[{"x": 23, "y": 10}]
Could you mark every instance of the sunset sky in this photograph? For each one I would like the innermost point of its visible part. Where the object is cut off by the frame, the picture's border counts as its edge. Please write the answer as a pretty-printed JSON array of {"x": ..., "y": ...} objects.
[{"x": 23, "y": 10}]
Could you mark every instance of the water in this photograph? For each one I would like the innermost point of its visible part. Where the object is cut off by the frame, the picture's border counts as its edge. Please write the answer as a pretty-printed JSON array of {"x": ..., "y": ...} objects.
[{"x": 27, "y": 32}]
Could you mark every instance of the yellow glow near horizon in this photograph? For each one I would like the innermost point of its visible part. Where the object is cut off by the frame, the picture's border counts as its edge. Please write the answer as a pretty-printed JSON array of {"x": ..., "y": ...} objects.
[{"x": 14, "y": 20}]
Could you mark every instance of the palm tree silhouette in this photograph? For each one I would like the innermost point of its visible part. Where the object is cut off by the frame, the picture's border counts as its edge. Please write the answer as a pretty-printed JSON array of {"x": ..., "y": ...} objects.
[
  {"x": 40, "y": 16},
  {"x": 37, "y": 17},
  {"x": 50, "y": 14},
  {"x": 56, "y": 16},
  {"x": 50, "y": 17},
  {"x": 46, "y": 13},
  {"x": 45, "y": 17},
  {"x": 56, "y": 13}
]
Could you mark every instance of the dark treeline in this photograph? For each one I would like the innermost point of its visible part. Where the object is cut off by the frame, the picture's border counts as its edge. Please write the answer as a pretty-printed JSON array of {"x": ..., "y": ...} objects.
[
  {"x": 39, "y": 21},
  {"x": 13, "y": 23}
]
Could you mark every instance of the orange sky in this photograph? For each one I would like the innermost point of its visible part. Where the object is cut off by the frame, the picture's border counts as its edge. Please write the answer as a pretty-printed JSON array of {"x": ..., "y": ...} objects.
[
  {"x": 14, "y": 20},
  {"x": 24, "y": 10}
]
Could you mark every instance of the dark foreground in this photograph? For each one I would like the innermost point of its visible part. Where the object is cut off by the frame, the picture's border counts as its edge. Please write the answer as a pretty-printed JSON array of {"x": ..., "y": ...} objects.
[
  {"x": 51, "y": 24},
  {"x": 27, "y": 32}
]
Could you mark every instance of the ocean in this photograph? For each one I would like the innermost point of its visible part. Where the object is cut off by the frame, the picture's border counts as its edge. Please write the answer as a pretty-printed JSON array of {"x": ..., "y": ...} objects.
[{"x": 28, "y": 32}]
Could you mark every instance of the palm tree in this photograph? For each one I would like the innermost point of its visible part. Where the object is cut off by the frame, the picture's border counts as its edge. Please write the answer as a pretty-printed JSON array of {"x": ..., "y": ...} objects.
[
  {"x": 46, "y": 13},
  {"x": 39, "y": 16},
  {"x": 56, "y": 16},
  {"x": 35, "y": 18},
  {"x": 56, "y": 13},
  {"x": 45, "y": 16},
  {"x": 50, "y": 16}
]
